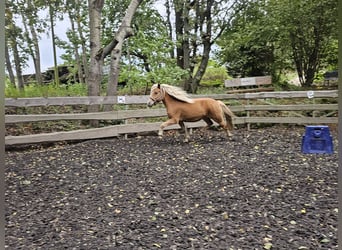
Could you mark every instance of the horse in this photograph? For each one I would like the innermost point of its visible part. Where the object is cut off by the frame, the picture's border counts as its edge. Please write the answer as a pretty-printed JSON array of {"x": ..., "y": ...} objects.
[{"x": 181, "y": 108}]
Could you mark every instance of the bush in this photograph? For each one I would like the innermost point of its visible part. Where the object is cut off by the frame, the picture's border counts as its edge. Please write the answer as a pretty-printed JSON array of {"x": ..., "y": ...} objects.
[
  {"x": 214, "y": 77},
  {"x": 34, "y": 90}
]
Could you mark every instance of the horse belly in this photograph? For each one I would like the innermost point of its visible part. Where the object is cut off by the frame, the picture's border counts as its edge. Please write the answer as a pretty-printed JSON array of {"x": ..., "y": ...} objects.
[
  {"x": 193, "y": 112},
  {"x": 192, "y": 119}
]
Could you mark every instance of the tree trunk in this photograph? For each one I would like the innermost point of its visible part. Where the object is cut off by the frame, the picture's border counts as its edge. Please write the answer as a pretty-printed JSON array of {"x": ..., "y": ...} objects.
[
  {"x": 98, "y": 54},
  {"x": 11, "y": 40},
  {"x": 36, "y": 57},
  {"x": 124, "y": 31},
  {"x": 78, "y": 60},
  {"x": 186, "y": 47},
  {"x": 179, "y": 24},
  {"x": 18, "y": 68},
  {"x": 114, "y": 72},
  {"x": 182, "y": 10},
  {"x": 169, "y": 25},
  {"x": 115, "y": 48},
  {"x": 9, "y": 65},
  {"x": 185, "y": 28},
  {"x": 96, "y": 64},
  {"x": 307, "y": 53},
  {"x": 84, "y": 64},
  {"x": 29, "y": 21},
  {"x": 313, "y": 58},
  {"x": 205, "y": 18},
  {"x": 81, "y": 59},
  {"x": 56, "y": 72}
]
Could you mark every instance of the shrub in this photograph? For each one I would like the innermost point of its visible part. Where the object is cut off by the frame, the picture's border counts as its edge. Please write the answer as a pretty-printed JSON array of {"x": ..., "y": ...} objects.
[
  {"x": 34, "y": 90},
  {"x": 214, "y": 76}
]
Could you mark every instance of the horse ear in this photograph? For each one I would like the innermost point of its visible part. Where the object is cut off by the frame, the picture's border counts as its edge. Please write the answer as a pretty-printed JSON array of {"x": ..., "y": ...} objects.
[{"x": 158, "y": 85}]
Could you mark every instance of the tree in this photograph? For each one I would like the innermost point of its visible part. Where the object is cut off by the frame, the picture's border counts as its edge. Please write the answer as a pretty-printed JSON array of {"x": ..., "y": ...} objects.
[
  {"x": 311, "y": 26},
  {"x": 114, "y": 48},
  {"x": 54, "y": 9},
  {"x": 268, "y": 37},
  {"x": 76, "y": 49},
  {"x": 250, "y": 44},
  {"x": 8, "y": 64},
  {"x": 32, "y": 26},
  {"x": 148, "y": 54},
  {"x": 198, "y": 24},
  {"x": 13, "y": 38},
  {"x": 96, "y": 64},
  {"x": 98, "y": 54}
]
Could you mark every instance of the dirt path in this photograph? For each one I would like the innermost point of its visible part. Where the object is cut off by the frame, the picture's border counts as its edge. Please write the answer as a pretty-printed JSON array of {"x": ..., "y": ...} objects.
[{"x": 255, "y": 192}]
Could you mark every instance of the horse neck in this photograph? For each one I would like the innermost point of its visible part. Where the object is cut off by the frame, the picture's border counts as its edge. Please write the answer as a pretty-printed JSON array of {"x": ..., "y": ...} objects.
[{"x": 168, "y": 100}]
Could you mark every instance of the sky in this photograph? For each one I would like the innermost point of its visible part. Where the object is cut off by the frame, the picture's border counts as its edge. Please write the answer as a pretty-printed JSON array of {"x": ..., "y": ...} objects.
[
  {"x": 45, "y": 47},
  {"x": 45, "y": 44}
]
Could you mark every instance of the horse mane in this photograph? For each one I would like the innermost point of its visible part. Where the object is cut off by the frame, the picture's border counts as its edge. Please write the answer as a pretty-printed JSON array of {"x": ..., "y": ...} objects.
[{"x": 175, "y": 92}]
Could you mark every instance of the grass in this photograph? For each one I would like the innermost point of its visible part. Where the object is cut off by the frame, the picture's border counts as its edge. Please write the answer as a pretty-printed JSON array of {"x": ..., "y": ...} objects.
[{"x": 48, "y": 90}]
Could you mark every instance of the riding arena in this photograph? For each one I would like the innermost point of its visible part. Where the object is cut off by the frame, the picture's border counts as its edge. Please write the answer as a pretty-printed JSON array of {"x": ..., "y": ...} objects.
[{"x": 207, "y": 188}]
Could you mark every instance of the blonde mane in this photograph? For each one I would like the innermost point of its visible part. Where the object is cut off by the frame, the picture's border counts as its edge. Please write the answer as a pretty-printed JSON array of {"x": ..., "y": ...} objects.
[{"x": 175, "y": 92}]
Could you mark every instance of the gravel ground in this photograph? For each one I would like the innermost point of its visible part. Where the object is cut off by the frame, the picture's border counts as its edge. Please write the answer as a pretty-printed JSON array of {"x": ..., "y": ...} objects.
[{"x": 257, "y": 191}]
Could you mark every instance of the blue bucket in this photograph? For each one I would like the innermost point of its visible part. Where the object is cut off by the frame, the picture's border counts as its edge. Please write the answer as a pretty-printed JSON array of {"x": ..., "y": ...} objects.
[{"x": 317, "y": 140}]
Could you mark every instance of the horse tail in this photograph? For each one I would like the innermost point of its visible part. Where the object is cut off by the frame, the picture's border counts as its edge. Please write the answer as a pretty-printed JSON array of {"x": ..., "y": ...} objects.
[{"x": 228, "y": 115}]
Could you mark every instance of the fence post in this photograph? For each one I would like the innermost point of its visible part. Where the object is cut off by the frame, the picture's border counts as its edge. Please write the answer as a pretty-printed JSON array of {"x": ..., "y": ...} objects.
[
  {"x": 311, "y": 95},
  {"x": 122, "y": 100},
  {"x": 126, "y": 121},
  {"x": 248, "y": 115}
]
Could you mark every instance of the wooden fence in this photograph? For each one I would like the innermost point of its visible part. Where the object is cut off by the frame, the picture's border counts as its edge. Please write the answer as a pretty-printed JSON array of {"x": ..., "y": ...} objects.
[{"x": 239, "y": 103}]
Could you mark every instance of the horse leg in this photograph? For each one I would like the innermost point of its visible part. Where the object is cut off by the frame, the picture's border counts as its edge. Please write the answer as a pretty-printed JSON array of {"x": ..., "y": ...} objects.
[
  {"x": 208, "y": 121},
  {"x": 186, "y": 133},
  {"x": 227, "y": 117},
  {"x": 165, "y": 124},
  {"x": 223, "y": 124}
]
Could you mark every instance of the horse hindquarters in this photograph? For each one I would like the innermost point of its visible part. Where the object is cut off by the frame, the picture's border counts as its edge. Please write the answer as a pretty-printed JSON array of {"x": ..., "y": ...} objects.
[
  {"x": 228, "y": 115},
  {"x": 228, "y": 118}
]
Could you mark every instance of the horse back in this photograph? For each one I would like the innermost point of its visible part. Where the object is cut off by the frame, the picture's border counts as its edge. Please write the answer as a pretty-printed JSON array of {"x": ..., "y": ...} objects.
[{"x": 207, "y": 103}]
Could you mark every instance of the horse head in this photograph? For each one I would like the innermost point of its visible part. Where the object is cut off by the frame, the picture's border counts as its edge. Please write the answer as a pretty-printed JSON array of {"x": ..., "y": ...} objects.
[{"x": 156, "y": 95}]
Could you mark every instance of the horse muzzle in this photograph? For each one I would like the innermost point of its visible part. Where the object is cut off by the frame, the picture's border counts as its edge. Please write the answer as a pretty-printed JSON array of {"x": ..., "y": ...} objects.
[{"x": 150, "y": 102}]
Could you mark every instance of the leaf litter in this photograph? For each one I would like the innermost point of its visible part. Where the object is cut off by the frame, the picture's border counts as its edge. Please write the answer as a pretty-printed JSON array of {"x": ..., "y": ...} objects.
[{"x": 256, "y": 191}]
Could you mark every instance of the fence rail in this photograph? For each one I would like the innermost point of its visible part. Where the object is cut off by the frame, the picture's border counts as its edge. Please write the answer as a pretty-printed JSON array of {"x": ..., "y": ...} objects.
[
  {"x": 293, "y": 117},
  {"x": 142, "y": 99}
]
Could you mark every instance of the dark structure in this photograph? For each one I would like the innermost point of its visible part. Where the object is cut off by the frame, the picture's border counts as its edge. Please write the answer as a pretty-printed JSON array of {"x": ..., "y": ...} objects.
[
  {"x": 330, "y": 76},
  {"x": 65, "y": 72}
]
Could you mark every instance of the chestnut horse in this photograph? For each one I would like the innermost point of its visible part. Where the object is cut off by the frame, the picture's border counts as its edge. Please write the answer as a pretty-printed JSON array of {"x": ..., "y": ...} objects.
[{"x": 180, "y": 108}]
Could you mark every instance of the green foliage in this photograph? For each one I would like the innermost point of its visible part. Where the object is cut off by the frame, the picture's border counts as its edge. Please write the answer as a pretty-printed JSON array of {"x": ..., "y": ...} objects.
[
  {"x": 146, "y": 55},
  {"x": 271, "y": 37},
  {"x": 11, "y": 90},
  {"x": 249, "y": 47},
  {"x": 34, "y": 90},
  {"x": 214, "y": 75},
  {"x": 309, "y": 32},
  {"x": 138, "y": 82},
  {"x": 260, "y": 38},
  {"x": 207, "y": 90},
  {"x": 330, "y": 56},
  {"x": 170, "y": 74}
]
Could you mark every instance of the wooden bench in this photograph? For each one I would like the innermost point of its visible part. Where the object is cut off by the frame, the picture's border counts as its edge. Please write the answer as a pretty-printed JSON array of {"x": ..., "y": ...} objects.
[
  {"x": 249, "y": 84},
  {"x": 330, "y": 76}
]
